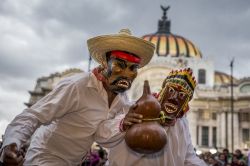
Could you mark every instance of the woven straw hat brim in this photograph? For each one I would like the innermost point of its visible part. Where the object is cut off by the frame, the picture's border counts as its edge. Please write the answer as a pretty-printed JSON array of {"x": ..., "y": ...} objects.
[{"x": 100, "y": 45}]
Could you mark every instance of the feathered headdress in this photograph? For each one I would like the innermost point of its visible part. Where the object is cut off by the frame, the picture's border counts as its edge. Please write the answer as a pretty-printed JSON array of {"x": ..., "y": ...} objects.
[{"x": 183, "y": 78}]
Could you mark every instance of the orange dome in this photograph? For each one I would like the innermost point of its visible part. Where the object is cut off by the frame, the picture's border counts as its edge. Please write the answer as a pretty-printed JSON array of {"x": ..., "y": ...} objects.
[
  {"x": 221, "y": 78},
  {"x": 173, "y": 45},
  {"x": 168, "y": 44}
]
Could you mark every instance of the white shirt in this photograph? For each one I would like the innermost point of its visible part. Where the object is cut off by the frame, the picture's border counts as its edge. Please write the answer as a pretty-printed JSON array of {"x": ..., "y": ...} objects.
[
  {"x": 67, "y": 119},
  {"x": 178, "y": 151}
]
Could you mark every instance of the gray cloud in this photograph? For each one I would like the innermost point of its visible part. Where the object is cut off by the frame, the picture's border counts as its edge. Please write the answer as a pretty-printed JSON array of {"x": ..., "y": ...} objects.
[{"x": 40, "y": 37}]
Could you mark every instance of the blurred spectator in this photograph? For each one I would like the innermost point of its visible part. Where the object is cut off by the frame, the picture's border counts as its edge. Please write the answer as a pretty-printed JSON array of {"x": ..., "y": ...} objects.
[
  {"x": 1, "y": 140},
  {"x": 103, "y": 156},
  {"x": 248, "y": 158},
  {"x": 206, "y": 157},
  {"x": 96, "y": 157},
  {"x": 228, "y": 155},
  {"x": 1, "y": 164},
  {"x": 235, "y": 161},
  {"x": 242, "y": 160},
  {"x": 222, "y": 159},
  {"x": 213, "y": 162},
  {"x": 225, "y": 158},
  {"x": 92, "y": 159}
]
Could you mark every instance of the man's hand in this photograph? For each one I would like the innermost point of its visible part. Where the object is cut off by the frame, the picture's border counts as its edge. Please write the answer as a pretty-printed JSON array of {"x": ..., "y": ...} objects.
[
  {"x": 131, "y": 118},
  {"x": 11, "y": 156}
]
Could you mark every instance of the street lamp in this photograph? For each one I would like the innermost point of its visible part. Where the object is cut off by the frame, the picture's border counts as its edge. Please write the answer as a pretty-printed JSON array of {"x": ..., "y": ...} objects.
[
  {"x": 232, "y": 105},
  {"x": 89, "y": 65}
]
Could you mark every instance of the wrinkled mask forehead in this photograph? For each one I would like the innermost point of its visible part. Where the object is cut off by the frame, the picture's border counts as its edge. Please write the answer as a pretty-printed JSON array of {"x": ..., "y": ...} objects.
[
  {"x": 115, "y": 66},
  {"x": 177, "y": 87},
  {"x": 179, "y": 84}
]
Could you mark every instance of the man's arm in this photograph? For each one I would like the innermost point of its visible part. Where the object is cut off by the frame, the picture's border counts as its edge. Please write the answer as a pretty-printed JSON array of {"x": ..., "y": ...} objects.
[
  {"x": 62, "y": 100},
  {"x": 110, "y": 132}
]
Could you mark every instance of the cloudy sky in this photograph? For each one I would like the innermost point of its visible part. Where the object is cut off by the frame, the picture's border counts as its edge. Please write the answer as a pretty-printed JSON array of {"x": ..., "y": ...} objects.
[{"x": 41, "y": 37}]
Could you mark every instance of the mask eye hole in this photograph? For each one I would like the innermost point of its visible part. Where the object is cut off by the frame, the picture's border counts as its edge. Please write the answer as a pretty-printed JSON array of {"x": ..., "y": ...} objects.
[
  {"x": 134, "y": 68},
  {"x": 121, "y": 65},
  {"x": 182, "y": 95},
  {"x": 171, "y": 90}
]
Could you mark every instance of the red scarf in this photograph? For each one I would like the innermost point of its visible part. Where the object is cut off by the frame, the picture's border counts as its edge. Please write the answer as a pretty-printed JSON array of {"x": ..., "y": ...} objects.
[{"x": 98, "y": 73}]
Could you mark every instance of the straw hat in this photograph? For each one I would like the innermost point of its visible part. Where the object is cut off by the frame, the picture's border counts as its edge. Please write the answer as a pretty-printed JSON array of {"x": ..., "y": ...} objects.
[{"x": 123, "y": 41}]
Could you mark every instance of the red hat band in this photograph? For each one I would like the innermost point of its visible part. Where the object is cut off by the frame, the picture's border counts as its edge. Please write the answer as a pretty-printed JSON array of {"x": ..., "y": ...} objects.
[{"x": 125, "y": 56}]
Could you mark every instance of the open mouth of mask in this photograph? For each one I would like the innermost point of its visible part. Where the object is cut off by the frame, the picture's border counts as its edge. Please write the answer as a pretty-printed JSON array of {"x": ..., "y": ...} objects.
[
  {"x": 170, "y": 108},
  {"x": 123, "y": 83}
]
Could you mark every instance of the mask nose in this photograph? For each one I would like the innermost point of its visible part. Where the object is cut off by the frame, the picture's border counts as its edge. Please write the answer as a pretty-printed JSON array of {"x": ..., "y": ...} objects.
[{"x": 174, "y": 96}]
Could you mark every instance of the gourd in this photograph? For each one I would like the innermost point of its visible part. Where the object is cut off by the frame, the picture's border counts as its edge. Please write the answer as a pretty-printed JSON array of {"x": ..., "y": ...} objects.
[{"x": 148, "y": 136}]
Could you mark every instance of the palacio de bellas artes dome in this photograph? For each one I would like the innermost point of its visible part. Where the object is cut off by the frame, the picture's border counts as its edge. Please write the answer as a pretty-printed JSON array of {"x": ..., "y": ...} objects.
[{"x": 210, "y": 115}]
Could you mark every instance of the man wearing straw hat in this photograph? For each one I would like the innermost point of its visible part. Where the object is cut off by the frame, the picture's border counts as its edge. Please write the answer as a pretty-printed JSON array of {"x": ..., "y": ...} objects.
[
  {"x": 177, "y": 91},
  {"x": 61, "y": 125}
]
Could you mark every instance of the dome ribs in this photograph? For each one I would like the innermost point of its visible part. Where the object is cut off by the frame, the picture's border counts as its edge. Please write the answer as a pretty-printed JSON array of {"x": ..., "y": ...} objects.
[
  {"x": 158, "y": 45},
  {"x": 195, "y": 51},
  {"x": 167, "y": 46},
  {"x": 186, "y": 45},
  {"x": 173, "y": 45},
  {"x": 177, "y": 47}
]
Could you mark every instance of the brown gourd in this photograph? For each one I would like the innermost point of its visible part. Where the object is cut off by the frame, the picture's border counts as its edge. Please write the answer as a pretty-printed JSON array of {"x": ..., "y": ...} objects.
[{"x": 149, "y": 136}]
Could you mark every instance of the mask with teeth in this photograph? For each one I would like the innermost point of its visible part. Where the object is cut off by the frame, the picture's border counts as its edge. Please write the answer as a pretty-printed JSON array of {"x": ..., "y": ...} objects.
[
  {"x": 177, "y": 90},
  {"x": 119, "y": 73},
  {"x": 174, "y": 100}
]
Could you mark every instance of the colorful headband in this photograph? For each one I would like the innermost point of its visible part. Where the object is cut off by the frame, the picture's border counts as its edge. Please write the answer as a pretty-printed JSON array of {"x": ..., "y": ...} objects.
[
  {"x": 183, "y": 78},
  {"x": 126, "y": 56}
]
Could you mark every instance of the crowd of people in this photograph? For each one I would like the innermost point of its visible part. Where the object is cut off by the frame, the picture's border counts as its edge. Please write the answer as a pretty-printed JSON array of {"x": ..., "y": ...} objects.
[
  {"x": 225, "y": 158},
  {"x": 98, "y": 157}
]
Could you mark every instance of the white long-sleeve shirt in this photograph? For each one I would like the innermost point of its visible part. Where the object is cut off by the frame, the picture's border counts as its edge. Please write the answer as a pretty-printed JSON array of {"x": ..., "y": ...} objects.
[
  {"x": 64, "y": 121},
  {"x": 178, "y": 151}
]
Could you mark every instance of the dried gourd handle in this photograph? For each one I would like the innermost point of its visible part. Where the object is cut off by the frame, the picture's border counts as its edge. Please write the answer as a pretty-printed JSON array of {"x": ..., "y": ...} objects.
[{"x": 146, "y": 88}]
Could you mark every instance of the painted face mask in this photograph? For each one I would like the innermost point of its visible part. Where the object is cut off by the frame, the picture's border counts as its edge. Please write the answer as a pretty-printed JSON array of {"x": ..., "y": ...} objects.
[
  {"x": 177, "y": 91},
  {"x": 121, "y": 71}
]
